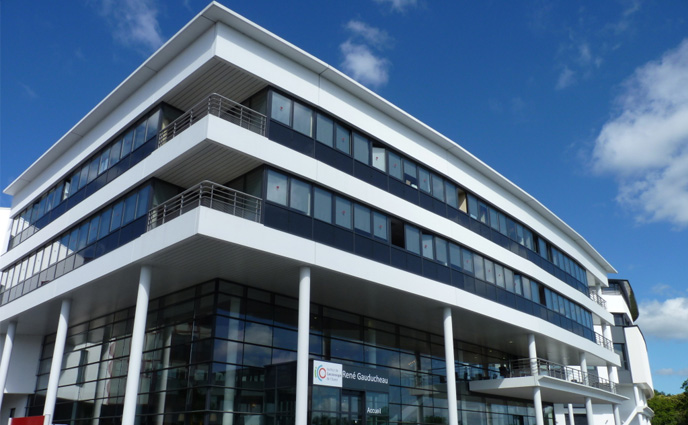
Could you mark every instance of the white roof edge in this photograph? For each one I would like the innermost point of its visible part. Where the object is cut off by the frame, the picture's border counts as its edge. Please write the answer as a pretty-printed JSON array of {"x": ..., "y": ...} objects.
[{"x": 216, "y": 12}]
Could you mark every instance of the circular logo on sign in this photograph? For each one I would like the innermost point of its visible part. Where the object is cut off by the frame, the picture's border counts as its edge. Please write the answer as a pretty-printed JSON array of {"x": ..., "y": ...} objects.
[{"x": 321, "y": 373}]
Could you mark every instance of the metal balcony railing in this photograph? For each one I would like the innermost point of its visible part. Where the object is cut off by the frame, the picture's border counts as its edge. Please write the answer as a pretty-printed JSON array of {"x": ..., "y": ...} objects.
[
  {"x": 541, "y": 367},
  {"x": 207, "y": 194},
  {"x": 218, "y": 106},
  {"x": 592, "y": 293},
  {"x": 604, "y": 342}
]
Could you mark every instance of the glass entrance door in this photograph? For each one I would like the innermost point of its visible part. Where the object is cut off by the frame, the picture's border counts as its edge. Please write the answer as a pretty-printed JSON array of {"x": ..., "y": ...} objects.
[{"x": 352, "y": 408}]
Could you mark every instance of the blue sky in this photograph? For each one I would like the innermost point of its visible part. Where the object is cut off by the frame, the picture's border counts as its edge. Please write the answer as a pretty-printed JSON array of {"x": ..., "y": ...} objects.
[{"x": 583, "y": 104}]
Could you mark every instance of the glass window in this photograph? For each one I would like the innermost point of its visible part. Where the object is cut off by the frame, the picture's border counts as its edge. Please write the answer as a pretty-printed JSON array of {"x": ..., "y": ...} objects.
[
  {"x": 83, "y": 236},
  {"x": 410, "y": 173},
  {"x": 277, "y": 188},
  {"x": 115, "y": 153},
  {"x": 424, "y": 180},
  {"x": 395, "y": 166},
  {"x": 54, "y": 252},
  {"x": 519, "y": 234},
  {"x": 300, "y": 196},
  {"x": 153, "y": 123},
  {"x": 379, "y": 159},
  {"x": 361, "y": 149},
  {"x": 441, "y": 250},
  {"x": 126, "y": 143},
  {"x": 482, "y": 212},
  {"x": 129, "y": 209},
  {"x": 142, "y": 204},
  {"x": 428, "y": 246},
  {"x": 322, "y": 208},
  {"x": 509, "y": 279},
  {"x": 140, "y": 135},
  {"x": 535, "y": 291},
  {"x": 511, "y": 229},
  {"x": 528, "y": 237},
  {"x": 39, "y": 258},
  {"x": 343, "y": 140},
  {"x": 380, "y": 225},
  {"x": 105, "y": 218},
  {"x": 472, "y": 206},
  {"x": 281, "y": 109},
  {"x": 362, "y": 218},
  {"x": 116, "y": 219},
  {"x": 412, "y": 239},
  {"x": 73, "y": 241},
  {"x": 517, "y": 284},
  {"x": 467, "y": 257},
  {"x": 479, "y": 267},
  {"x": 489, "y": 271},
  {"x": 455, "y": 255},
  {"x": 499, "y": 275},
  {"x": 325, "y": 130},
  {"x": 93, "y": 169},
  {"x": 437, "y": 187},
  {"x": 502, "y": 224},
  {"x": 57, "y": 197},
  {"x": 542, "y": 248},
  {"x": 93, "y": 230},
  {"x": 303, "y": 119},
  {"x": 451, "y": 194},
  {"x": 526, "y": 287},
  {"x": 104, "y": 158},
  {"x": 342, "y": 208},
  {"x": 494, "y": 219}
]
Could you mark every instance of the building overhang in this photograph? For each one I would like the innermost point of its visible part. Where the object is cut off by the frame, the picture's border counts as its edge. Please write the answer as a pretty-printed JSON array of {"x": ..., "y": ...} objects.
[{"x": 552, "y": 390}]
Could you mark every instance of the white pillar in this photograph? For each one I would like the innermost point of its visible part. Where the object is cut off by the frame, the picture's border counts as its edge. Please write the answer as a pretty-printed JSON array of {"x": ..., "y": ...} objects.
[
  {"x": 584, "y": 368},
  {"x": 302, "y": 346},
  {"x": 537, "y": 402},
  {"x": 451, "y": 369},
  {"x": 617, "y": 415},
  {"x": 5, "y": 361},
  {"x": 138, "y": 335},
  {"x": 56, "y": 362},
  {"x": 571, "y": 418},
  {"x": 588, "y": 411},
  {"x": 532, "y": 354}
]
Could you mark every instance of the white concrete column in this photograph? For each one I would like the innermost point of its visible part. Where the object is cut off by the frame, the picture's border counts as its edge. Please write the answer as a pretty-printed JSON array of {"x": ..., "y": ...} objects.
[
  {"x": 532, "y": 355},
  {"x": 617, "y": 415},
  {"x": 451, "y": 368},
  {"x": 607, "y": 331},
  {"x": 302, "y": 346},
  {"x": 138, "y": 335},
  {"x": 584, "y": 368},
  {"x": 588, "y": 411},
  {"x": 6, "y": 354},
  {"x": 56, "y": 362},
  {"x": 537, "y": 405},
  {"x": 571, "y": 418}
]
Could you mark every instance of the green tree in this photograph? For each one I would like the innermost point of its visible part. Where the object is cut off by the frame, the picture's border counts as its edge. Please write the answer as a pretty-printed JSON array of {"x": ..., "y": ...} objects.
[{"x": 670, "y": 409}]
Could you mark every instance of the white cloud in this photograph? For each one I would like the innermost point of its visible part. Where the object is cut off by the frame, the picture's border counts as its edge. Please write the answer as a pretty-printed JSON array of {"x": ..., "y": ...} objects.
[
  {"x": 398, "y": 5},
  {"x": 363, "y": 65},
  {"x": 28, "y": 91},
  {"x": 566, "y": 78},
  {"x": 646, "y": 144},
  {"x": 372, "y": 35},
  {"x": 133, "y": 22},
  {"x": 362, "y": 60},
  {"x": 672, "y": 372},
  {"x": 666, "y": 319}
]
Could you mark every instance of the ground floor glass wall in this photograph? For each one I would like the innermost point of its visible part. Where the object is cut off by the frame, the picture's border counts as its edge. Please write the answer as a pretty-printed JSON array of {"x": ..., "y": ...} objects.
[{"x": 220, "y": 353}]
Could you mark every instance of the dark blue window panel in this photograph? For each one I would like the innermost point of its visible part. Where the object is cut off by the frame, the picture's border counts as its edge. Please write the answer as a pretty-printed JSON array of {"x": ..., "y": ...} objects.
[
  {"x": 58, "y": 211},
  {"x": 300, "y": 225},
  {"x": 42, "y": 222},
  {"x": 370, "y": 175},
  {"x": 464, "y": 220},
  {"x": 475, "y": 225},
  {"x": 453, "y": 213},
  {"x": 533, "y": 257},
  {"x": 292, "y": 139},
  {"x": 75, "y": 198},
  {"x": 343, "y": 239},
  {"x": 403, "y": 190},
  {"x": 335, "y": 158},
  {"x": 133, "y": 230},
  {"x": 398, "y": 259},
  {"x": 469, "y": 283},
  {"x": 119, "y": 168},
  {"x": 490, "y": 292},
  {"x": 107, "y": 244},
  {"x": 443, "y": 274},
  {"x": 323, "y": 232},
  {"x": 426, "y": 200},
  {"x": 97, "y": 184},
  {"x": 88, "y": 253},
  {"x": 363, "y": 246},
  {"x": 143, "y": 151},
  {"x": 381, "y": 252},
  {"x": 276, "y": 217},
  {"x": 457, "y": 278},
  {"x": 524, "y": 305}
]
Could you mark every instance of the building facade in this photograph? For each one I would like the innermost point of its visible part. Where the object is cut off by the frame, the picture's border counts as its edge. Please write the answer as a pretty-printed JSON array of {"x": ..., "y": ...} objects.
[{"x": 241, "y": 234}]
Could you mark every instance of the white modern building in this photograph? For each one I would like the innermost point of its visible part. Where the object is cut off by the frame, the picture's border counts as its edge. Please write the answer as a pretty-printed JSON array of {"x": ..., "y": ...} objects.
[{"x": 241, "y": 234}]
